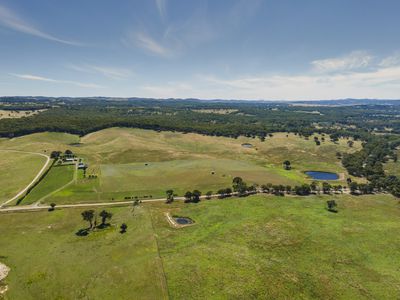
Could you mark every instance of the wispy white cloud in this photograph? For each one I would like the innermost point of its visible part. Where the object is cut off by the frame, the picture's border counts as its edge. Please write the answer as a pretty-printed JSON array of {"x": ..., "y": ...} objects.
[
  {"x": 354, "y": 60},
  {"x": 45, "y": 79},
  {"x": 12, "y": 21},
  {"x": 147, "y": 43},
  {"x": 110, "y": 72},
  {"x": 375, "y": 82},
  {"x": 390, "y": 61},
  {"x": 161, "y": 7}
]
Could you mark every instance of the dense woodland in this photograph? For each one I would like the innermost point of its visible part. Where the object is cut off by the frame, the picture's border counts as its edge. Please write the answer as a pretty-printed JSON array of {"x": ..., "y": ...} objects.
[{"x": 377, "y": 125}]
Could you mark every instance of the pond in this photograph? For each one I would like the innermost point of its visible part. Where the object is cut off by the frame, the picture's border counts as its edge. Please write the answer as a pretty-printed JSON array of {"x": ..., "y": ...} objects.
[
  {"x": 322, "y": 175},
  {"x": 247, "y": 145},
  {"x": 183, "y": 220}
]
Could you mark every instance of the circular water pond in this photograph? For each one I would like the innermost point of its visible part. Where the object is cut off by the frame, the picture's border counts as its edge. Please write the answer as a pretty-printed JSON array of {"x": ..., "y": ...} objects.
[
  {"x": 322, "y": 175},
  {"x": 183, "y": 220}
]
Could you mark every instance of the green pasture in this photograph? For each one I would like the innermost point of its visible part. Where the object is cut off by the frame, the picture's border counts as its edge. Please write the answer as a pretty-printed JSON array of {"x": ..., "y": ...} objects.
[
  {"x": 258, "y": 247},
  {"x": 56, "y": 178},
  {"x": 17, "y": 171},
  {"x": 265, "y": 247},
  {"x": 49, "y": 261},
  {"x": 135, "y": 162}
]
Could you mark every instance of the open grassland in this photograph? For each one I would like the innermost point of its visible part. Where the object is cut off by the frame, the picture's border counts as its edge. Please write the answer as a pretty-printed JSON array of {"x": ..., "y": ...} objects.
[
  {"x": 284, "y": 248},
  {"x": 56, "y": 178},
  {"x": 17, "y": 171},
  {"x": 259, "y": 247},
  {"x": 134, "y": 162},
  {"x": 15, "y": 114},
  {"x": 48, "y": 261}
]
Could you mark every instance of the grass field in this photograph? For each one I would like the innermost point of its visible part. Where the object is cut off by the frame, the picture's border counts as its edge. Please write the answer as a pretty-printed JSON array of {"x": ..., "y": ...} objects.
[
  {"x": 134, "y": 162},
  {"x": 281, "y": 248},
  {"x": 49, "y": 261},
  {"x": 17, "y": 171},
  {"x": 56, "y": 178},
  {"x": 261, "y": 247}
]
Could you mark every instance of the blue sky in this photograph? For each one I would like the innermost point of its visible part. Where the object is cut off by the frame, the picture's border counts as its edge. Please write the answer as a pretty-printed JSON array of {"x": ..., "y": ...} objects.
[{"x": 216, "y": 49}]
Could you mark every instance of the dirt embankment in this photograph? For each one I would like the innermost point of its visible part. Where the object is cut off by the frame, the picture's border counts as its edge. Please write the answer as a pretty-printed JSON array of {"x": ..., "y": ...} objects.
[
  {"x": 3, "y": 274},
  {"x": 3, "y": 271}
]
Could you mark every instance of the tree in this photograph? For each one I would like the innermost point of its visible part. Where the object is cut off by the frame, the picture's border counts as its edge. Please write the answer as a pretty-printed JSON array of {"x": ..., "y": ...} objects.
[
  {"x": 105, "y": 215},
  {"x": 52, "y": 206},
  {"x": 208, "y": 195},
  {"x": 288, "y": 189},
  {"x": 170, "y": 196},
  {"x": 237, "y": 180},
  {"x": 123, "y": 227},
  {"x": 353, "y": 187},
  {"x": 68, "y": 153},
  {"x": 313, "y": 186},
  {"x": 287, "y": 165},
  {"x": 88, "y": 216},
  {"x": 239, "y": 185},
  {"x": 55, "y": 154},
  {"x": 365, "y": 188},
  {"x": 331, "y": 205},
  {"x": 302, "y": 190},
  {"x": 188, "y": 196},
  {"x": 196, "y": 196},
  {"x": 326, "y": 188},
  {"x": 265, "y": 188},
  {"x": 221, "y": 193}
]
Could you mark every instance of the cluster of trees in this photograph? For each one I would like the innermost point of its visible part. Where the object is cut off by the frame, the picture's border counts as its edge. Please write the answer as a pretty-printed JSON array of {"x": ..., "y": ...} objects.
[
  {"x": 369, "y": 162},
  {"x": 241, "y": 188},
  {"x": 60, "y": 155},
  {"x": 91, "y": 217},
  {"x": 223, "y": 193},
  {"x": 192, "y": 197}
]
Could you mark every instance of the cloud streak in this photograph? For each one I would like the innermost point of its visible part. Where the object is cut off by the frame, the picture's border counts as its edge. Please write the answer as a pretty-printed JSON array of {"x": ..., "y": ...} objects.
[
  {"x": 354, "y": 60},
  {"x": 45, "y": 79},
  {"x": 148, "y": 43},
  {"x": 161, "y": 7},
  {"x": 380, "y": 80},
  {"x": 12, "y": 21},
  {"x": 109, "y": 72}
]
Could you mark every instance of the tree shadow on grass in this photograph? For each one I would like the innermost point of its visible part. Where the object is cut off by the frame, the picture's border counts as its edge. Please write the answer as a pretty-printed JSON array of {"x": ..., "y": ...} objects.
[
  {"x": 86, "y": 231},
  {"x": 82, "y": 232},
  {"x": 103, "y": 226}
]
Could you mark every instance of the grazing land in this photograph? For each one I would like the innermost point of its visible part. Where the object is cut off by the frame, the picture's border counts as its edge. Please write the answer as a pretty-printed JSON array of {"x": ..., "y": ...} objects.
[
  {"x": 18, "y": 170},
  {"x": 258, "y": 247},
  {"x": 57, "y": 178},
  {"x": 136, "y": 162},
  {"x": 49, "y": 261},
  {"x": 133, "y": 158}
]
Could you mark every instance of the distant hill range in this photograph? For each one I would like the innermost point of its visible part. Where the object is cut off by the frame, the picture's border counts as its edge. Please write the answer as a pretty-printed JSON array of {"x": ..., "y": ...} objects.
[
  {"x": 337, "y": 102},
  {"x": 347, "y": 102}
]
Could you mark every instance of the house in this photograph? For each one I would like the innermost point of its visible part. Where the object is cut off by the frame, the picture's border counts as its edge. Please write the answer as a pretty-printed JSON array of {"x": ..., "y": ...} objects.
[
  {"x": 81, "y": 165},
  {"x": 69, "y": 159}
]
